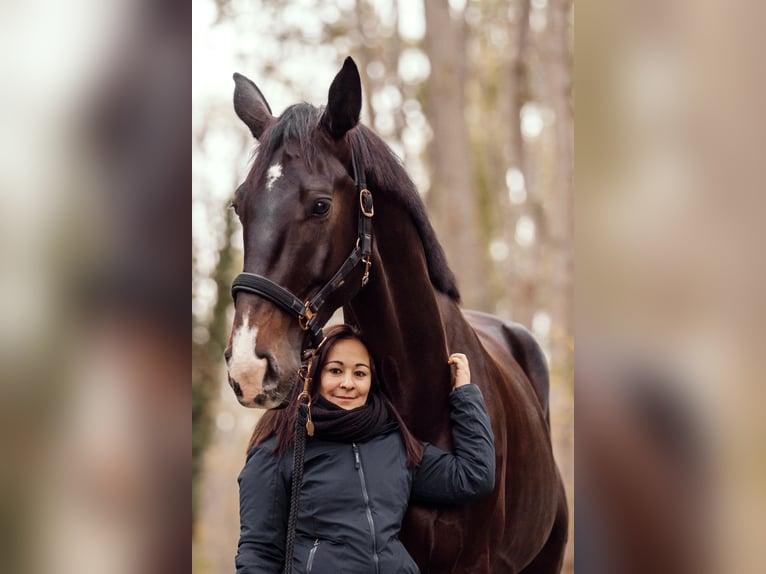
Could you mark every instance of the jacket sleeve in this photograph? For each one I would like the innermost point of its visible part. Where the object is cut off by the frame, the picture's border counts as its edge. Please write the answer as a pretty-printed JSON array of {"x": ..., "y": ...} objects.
[
  {"x": 444, "y": 477},
  {"x": 264, "y": 498}
]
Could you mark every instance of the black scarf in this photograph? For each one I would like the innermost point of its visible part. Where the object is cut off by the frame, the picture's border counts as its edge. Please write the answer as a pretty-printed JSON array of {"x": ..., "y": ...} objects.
[{"x": 356, "y": 425}]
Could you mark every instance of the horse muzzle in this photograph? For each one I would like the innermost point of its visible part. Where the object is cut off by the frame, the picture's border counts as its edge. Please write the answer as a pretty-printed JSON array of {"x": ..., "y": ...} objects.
[{"x": 255, "y": 380}]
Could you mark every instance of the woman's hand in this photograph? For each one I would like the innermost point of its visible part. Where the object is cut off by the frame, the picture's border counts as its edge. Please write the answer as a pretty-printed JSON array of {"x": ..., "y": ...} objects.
[{"x": 462, "y": 371}]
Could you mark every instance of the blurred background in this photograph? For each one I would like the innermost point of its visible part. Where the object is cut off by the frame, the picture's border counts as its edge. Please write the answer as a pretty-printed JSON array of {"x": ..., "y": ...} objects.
[
  {"x": 670, "y": 282},
  {"x": 474, "y": 96},
  {"x": 94, "y": 228}
]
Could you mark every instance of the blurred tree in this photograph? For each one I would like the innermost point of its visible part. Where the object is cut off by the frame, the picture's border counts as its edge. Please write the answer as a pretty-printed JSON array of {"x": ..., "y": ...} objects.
[
  {"x": 558, "y": 66},
  {"x": 451, "y": 198},
  {"x": 522, "y": 274},
  {"x": 209, "y": 339}
]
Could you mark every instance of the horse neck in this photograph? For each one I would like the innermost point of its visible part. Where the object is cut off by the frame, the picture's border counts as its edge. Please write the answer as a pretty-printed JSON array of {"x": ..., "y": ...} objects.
[{"x": 403, "y": 319}]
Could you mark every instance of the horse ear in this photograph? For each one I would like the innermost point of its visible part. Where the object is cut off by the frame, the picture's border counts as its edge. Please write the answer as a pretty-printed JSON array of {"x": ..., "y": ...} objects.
[
  {"x": 250, "y": 105},
  {"x": 344, "y": 102}
]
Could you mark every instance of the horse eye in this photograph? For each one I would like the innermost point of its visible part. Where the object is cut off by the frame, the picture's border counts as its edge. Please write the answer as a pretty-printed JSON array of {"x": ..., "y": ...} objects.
[{"x": 321, "y": 207}]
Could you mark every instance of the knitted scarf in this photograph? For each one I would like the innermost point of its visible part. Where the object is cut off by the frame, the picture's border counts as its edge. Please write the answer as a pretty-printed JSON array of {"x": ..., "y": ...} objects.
[{"x": 356, "y": 425}]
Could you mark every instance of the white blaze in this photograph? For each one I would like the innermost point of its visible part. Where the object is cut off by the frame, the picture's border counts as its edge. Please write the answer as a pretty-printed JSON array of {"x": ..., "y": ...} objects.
[
  {"x": 245, "y": 367},
  {"x": 274, "y": 173}
]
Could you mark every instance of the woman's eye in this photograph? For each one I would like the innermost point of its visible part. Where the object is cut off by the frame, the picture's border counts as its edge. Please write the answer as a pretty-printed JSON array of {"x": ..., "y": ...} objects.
[
  {"x": 321, "y": 207},
  {"x": 361, "y": 374}
]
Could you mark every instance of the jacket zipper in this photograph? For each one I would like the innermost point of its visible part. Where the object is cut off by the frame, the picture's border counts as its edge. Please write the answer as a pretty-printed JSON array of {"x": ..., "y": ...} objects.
[
  {"x": 312, "y": 552},
  {"x": 368, "y": 510}
]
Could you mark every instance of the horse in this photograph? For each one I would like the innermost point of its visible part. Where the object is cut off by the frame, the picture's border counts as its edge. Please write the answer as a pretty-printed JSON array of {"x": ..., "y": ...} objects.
[{"x": 331, "y": 219}]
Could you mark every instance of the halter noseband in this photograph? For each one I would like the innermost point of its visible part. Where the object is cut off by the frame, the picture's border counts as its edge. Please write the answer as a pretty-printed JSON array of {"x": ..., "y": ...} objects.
[{"x": 307, "y": 313}]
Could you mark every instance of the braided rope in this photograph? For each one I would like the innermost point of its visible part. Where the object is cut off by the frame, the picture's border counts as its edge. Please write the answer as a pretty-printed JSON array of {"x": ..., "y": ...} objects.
[{"x": 298, "y": 457}]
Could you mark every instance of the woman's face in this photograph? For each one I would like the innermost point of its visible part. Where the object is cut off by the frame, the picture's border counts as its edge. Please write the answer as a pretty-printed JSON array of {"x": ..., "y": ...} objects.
[{"x": 345, "y": 378}]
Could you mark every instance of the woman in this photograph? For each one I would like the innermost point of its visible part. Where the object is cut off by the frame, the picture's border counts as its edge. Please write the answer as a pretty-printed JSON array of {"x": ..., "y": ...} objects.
[{"x": 361, "y": 467}]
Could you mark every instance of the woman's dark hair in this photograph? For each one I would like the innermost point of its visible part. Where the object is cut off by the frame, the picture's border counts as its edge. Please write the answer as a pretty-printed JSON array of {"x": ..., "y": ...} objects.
[{"x": 281, "y": 422}]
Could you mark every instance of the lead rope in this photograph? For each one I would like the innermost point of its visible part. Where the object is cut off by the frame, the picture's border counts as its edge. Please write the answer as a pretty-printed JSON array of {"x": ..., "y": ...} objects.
[
  {"x": 303, "y": 426},
  {"x": 298, "y": 457}
]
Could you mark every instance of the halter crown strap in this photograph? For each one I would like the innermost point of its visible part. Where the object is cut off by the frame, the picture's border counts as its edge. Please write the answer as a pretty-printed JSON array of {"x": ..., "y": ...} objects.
[{"x": 307, "y": 312}]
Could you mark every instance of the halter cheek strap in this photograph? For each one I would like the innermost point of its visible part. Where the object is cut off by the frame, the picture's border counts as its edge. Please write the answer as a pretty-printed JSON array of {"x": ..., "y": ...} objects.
[{"x": 307, "y": 312}]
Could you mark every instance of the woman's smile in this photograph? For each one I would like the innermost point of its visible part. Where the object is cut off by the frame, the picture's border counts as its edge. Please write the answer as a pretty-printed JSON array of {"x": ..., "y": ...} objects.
[
  {"x": 342, "y": 400},
  {"x": 345, "y": 378}
]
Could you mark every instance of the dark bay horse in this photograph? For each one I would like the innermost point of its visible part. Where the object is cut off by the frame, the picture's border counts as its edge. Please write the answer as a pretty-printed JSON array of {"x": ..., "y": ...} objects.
[{"x": 306, "y": 216}]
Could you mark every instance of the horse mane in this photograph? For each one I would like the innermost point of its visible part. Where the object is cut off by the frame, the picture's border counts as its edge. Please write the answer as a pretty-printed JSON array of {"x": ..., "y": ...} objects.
[
  {"x": 385, "y": 173},
  {"x": 383, "y": 169}
]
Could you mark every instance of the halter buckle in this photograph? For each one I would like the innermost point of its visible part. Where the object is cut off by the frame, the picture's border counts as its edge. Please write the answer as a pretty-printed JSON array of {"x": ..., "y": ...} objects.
[
  {"x": 306, "y": 317},
  {"x": 362, "y": 194}
]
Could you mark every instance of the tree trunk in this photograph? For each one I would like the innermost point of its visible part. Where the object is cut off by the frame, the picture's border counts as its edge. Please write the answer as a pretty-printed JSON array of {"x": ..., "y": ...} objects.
[
  {"x": 450, "y": 198},
  {"x": 523, "y": 268},
  {"x": 561, "y": 212},
  {"x": 363, "y": 56}
]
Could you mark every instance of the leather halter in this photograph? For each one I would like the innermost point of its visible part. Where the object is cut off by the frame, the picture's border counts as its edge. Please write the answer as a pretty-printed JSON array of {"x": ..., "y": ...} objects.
[{"x": 307, "y": 312}]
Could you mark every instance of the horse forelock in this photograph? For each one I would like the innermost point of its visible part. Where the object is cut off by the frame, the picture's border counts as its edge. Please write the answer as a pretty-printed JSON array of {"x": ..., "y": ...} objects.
[
  {"x": 386, "y": 174},
  {"x": 296, "y": 126}
]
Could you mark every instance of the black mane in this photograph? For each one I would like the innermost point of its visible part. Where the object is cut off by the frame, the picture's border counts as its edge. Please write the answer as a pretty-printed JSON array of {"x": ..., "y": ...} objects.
[
  {"x": 383, "y": 169},
  {"x": 386, "y": 174}
]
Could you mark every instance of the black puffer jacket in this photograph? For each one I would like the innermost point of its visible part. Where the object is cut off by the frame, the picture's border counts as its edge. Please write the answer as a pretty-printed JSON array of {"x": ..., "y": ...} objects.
[{"x": 354, "y": 496}]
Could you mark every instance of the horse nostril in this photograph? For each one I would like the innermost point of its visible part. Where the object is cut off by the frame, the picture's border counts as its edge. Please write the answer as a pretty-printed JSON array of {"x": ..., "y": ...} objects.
[
  {"x": 227, "y": 355},
  {"x": 272, "y": 372},
  {"x": 237, "y": 389}
]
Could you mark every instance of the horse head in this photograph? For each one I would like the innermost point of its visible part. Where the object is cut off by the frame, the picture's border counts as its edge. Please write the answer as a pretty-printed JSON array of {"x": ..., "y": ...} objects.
[{"x": 298, "y": 208}]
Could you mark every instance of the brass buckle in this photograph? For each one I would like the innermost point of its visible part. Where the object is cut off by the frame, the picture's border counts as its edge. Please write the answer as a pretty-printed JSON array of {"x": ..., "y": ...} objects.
[
  {"x": 361, "y": 203},
  {"x": 305, "y": 319},
  {"x": 305, "y": 397},
  {"x": 305, "y": 373},
  {"x": 367, "y": 263}
]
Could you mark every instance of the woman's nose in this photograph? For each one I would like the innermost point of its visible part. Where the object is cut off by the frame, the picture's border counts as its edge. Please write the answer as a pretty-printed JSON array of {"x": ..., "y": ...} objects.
[{"x": 347, "y": 382}]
